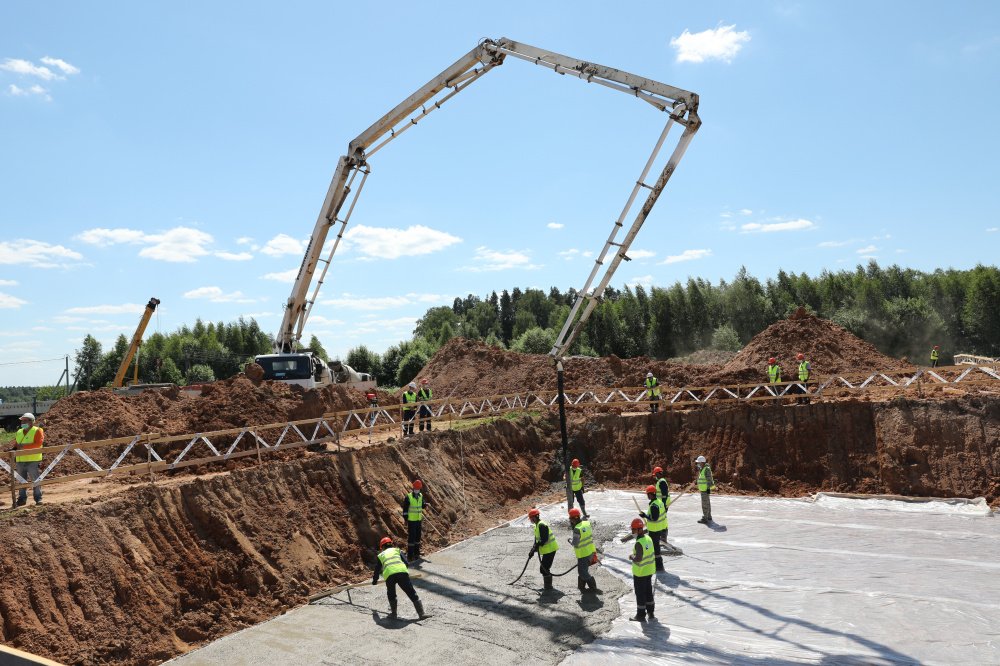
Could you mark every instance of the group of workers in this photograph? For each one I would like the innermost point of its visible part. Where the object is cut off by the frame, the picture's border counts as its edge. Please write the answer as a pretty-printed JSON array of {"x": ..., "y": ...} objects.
[
  {"x": 649, "y": 530},
  {"x": 409, "y": 399},
  {"x": 804, "y": 372}
]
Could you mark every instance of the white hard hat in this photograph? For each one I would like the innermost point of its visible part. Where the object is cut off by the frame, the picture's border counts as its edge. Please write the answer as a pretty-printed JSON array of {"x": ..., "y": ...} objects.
[
  {"x": 649, "y": 374},
  {"x": 700, "y": 459},
  {"x": 413, "y": 385},
  {"x": 28, "y": 416}
]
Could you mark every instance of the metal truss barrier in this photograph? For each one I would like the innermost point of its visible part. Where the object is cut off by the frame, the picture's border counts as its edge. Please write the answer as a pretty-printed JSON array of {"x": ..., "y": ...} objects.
[{"x": 148, "y": 453}]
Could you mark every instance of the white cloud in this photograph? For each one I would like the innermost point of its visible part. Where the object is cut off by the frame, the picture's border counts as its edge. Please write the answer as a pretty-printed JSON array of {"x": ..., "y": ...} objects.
[
  {"x": 10, "y": 302},
  {"x": 901, "y": 251},
  {"x": 644, "y": 280},
  {"x": 587, "y": 254},
  {"x": 768, "y": 227},
  {"x": 555, "y": 225},
  {"x": 244, "y": 240},
  {"x": 687, "y": 255},
  {"x": 63, "y": 319},
  {"x": 283, "y": 244},
  {"x": 388, "y": 243},
  {"x": 36, "y": 254},
  {"x": 18, "y": 66},
  {"x": 125, "y": 308},
  {"x": 369, "y": 303},
  {"x": 883, "y": 237},
  {"x": 868, "y": 249},
  {"x": 640, "y": 254},
  {"x": 394, "y": 327},
  {"x": 723, "y": 44},
  {"x": 320, "y": 320},
  {"x": 259, "y": 315},
  {"x": 18, "y": 91},
  {"x": 992, "y": 230},
  {"x": 835, "y": 243},
  {"x": 216, "y": 295},
  {"x": 105, "y": 328},
  {"x": 177, "y": 245},
  {"x": 61, "y": 65},
  {"x": 282, "y": 276},
  {"x": 237, "y": 256},
  {"x": 569, "y": 254},
  {"x": 8, "y": 283},
  {"x": 745, "y": 211},
  {"x": 496, "y": 260}
]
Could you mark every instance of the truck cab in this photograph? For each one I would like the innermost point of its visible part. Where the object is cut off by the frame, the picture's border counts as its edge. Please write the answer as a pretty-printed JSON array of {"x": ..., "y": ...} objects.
[{"x": 300, "y": 368}]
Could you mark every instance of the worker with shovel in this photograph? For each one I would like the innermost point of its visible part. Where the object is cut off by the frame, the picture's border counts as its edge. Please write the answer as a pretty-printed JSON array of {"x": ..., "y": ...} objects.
[
  {"x": 662, "y": 485},
  {"x": 584, "y": 549},
  {"x": 545, "y": 545},
  {"x": 643, "y": 568},
  {"x": 391, "y": 565},
  {"x": 413, "y": 513},
  {"x": 656, "y": 517}
]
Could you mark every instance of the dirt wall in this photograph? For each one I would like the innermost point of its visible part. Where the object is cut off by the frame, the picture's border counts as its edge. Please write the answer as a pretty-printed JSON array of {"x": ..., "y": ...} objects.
[
  {"x": 152, "y": 572},
  {"x": 903, "y": 446}
]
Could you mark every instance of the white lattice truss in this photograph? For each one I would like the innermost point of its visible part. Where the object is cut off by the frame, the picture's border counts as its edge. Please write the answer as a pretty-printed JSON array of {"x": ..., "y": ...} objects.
[{"x": 151, "y": 452}]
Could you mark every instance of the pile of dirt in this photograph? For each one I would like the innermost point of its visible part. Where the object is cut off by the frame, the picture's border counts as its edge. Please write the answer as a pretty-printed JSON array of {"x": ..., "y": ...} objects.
[
  {"x": 466, "y": 368},
  {"x": 829, "y": 348},
  {"x": 151, "y": 572}
]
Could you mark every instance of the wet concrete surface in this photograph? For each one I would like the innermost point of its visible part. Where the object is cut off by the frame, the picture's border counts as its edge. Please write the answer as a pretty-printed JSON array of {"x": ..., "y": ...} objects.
[{"x": 475, "y": 615}]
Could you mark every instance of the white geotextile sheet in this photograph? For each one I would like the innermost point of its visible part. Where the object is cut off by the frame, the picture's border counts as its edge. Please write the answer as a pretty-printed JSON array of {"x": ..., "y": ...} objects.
[{"x": 830, "y": 580}]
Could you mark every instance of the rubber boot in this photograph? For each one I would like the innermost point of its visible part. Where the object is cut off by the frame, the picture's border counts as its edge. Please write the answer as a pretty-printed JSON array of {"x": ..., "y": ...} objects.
[
  {"x": 649, "y": 611},
  {"x": 548, "y": 582},
  {"x": 640, "y": 615},
  {"x": 581, "y": 584},
  {"x": 419, "y": 606},
  {"x": 659, "y": 564},
  {"x": 592, "y": 585},
  {"x": 392, "y": 609}
]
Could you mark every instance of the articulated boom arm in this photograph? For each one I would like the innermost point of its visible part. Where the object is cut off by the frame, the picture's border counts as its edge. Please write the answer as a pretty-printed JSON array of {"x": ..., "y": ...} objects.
[
  {"x": 136, "y": 341},
  {"x": 680, "y": 104}
]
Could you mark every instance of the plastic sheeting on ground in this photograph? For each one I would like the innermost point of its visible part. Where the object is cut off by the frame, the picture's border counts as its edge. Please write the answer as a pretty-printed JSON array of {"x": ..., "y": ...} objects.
[{"x": 829, "y": 580}]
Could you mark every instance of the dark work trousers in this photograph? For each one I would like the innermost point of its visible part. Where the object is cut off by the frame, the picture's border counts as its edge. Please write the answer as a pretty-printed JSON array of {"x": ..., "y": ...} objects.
[
  {"x": 546, "y": 567},
  {"x": 803, "y": 389},
  {"x": 583, "y": 570},
  {"x": 643, "y": 586},
  {"x": 425, "y": 417},
  {"x": 934, "y": 363},
  {"x": 403, "y": 580},
  {"x": 706, "y": 505},
  {"x": 413, "y": 539},
  {"x": 579, "y": 500},
  {"x": 408, "y": 421},
  {"x": 658, "y": 538},
  {"x": 654, "y": 403}
]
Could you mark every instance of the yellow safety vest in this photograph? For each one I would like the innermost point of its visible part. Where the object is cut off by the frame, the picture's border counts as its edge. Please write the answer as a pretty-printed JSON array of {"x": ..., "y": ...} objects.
[
  {"x": 574, "y": 477},
  {"x": 774, "y": 373},
  {"x": 586, "y": 547},
  {"x": 25, "y": 440},
  {"x": 934, "y": 354},
  {"x": 647, "y": 565},
  {"x": 662, "y": 489},
  {"x": 409, "y": 397},
  {"x": 424, "y": 394},
  {"x": 415, "y": 513},
  {"x": 660, "y": 523},
  {"x": 654, "y": 386},
  {"x": 703, "y": 479},
  {"x": 549, "y": 546},
  {"x": 803, "y": 371},
  {"x": 392, "y": 562}
]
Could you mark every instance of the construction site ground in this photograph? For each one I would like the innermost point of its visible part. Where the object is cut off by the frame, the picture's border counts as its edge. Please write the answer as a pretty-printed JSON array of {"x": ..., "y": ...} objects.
[{"x": 777, "y": 581}]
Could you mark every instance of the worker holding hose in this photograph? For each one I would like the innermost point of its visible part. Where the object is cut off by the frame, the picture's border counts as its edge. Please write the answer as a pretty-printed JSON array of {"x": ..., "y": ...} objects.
[
  {"x": 545, "y": 545},
  {"x": 584, "y": 549}
]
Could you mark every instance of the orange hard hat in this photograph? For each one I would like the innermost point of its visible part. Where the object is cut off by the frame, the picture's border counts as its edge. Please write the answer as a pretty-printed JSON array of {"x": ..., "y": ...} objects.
[
  {"x": 800, "y": 356},
  {"x": 575, "y": 463},
  {"x": 534, "y": 513},
  {"x": 937, "y": 346},
  {"x": 574, "y": 512},
  {"x": 637, "y": 524},
  {"x": 650, "y": 490},
  {"x": 386, "y": 541},
  {"x": 424, "y": 381},
  {"x": 657, "y": 470},
  {"x": 771, "y": 360},
  {"x": 418, "y": 484}
]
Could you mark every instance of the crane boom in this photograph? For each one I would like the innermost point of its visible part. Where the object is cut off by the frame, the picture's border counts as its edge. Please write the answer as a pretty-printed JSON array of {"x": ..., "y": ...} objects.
[{"x": 136, "y": 341}]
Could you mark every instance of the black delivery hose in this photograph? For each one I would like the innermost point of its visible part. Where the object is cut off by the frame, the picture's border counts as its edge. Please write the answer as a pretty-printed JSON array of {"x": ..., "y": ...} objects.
[{"x": 526, "y": 563}]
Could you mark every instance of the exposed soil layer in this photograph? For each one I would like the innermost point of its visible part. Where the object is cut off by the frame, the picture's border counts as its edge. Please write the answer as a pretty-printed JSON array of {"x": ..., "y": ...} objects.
[
  {"x": 829, "y": 348},
  {"x": 150, "y": 572},
  {"x": 904, "y": 446}
]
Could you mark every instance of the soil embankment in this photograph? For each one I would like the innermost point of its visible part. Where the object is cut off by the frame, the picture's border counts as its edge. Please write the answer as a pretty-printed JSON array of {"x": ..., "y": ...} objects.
[
  {"x": 148, "y": 573},
  {"x": 945, "y": 448}
]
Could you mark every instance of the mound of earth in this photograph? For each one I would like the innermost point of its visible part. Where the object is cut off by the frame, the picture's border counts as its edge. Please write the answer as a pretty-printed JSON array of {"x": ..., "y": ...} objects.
[
  {"x": 829, "y": 348},
  {"x": 466, "y": 368}
]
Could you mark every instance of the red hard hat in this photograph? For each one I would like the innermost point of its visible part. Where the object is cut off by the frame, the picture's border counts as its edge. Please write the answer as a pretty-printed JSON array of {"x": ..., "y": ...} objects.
[
  {"x": 800, "y": 356},
  {"x": 418, "y": 484},
  {"x": 650, "y": 490},
  {"x": 771, "y": 360},
  {"x": 386, "y": 541},
  {"x": 424, "y": 381},
  {"x": 534, "y": 513},
  {"x": 657, "y": 470},
  {"x": 637, "y": 524},
  {"x": 937, "y": 346},
  {"x": 574, "y": 512},
  {"x": 575, "y": 463}
]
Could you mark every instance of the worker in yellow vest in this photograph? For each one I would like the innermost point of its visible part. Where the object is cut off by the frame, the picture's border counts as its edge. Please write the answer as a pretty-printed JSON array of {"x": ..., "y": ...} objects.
[
  {"x": 935, "y": 354},
  {"x": 706, "y": 484},
  {"x": 28, "y": 437},
  {"x": 424, "y": 395},
  {"x": 584, "y": 549},
  {"x": 413, "y": 504},
  {"x": 656, "y": 521},
  {"x": 653, "y": 392},
  {"x": 773, "y": 371},
  {"x": 661, "y": 483},
  {"x": 576, "y": 484},
  {"x": 391, "y": 565},
  {"x": 545, "y": 544},
  {"x": 642, "y": 573},
  {"x": 409, "y": 399},
  {"x": 805, "y": 370}
]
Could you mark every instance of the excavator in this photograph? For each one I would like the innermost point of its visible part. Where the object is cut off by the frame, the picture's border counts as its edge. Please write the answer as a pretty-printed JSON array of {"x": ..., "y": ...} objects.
[{"x": 290, "y": 364}]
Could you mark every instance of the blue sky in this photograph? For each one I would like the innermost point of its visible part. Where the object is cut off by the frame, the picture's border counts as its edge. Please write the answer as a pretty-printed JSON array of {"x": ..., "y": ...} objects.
[{"x": 182, "y": 150}]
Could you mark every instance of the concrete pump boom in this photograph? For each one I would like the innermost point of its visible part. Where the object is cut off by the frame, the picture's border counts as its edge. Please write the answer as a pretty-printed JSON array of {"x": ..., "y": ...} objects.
[
  {"x": 136, "y": 341},
  {"x": 681, "y": 105}
]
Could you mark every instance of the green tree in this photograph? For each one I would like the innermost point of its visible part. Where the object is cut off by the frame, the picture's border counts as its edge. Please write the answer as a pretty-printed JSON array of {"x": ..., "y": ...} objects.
[
  {"x": 317, "y": 348},
  {"x": 535, "y": 341},
  {"x": 724, "y": 338},
  {"x": 200, "y": 374},
  {"x": 410, "y": 367},
  {"x": 87, "y": 359},
  {"x": 429, "y": 326},
  {"x": 363, "y": 359},
  {"x": 169, "y": 372}
]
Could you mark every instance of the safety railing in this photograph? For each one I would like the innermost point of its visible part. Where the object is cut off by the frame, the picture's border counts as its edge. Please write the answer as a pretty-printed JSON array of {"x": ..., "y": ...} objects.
[{"x": 150, "y": 453}]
